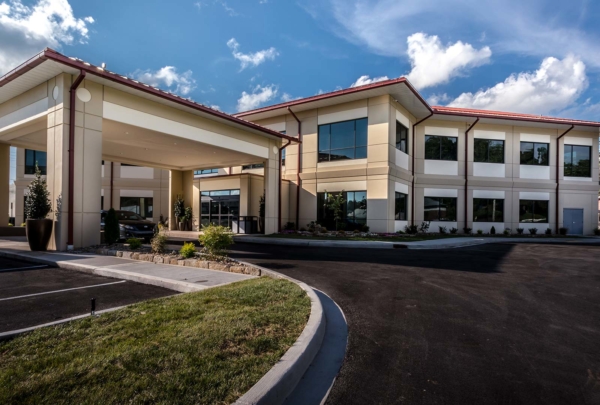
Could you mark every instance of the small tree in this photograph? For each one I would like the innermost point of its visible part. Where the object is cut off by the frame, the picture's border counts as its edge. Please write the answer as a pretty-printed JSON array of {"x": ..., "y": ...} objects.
[
  {"x": 336, "y": 203},
  {"x": 179, "y": 208},
  {"x": 37, "y": 204},
  {"x": 111, "y": 227}
]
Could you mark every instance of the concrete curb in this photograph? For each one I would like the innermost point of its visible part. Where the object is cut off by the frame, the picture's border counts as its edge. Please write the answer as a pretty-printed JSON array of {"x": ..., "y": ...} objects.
[{"x": 275, "y": 386}]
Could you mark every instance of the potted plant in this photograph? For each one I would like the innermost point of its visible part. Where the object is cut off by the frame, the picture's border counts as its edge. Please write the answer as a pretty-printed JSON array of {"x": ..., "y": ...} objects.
[
  {"x": 178, "y": 211},
  {"x": 37, "y": 207},
  {"x": 188, "y": 216}
]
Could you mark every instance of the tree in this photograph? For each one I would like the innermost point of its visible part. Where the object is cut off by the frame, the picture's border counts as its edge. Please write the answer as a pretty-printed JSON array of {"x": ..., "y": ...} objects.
[
  {"x": 179, "y": 208},
  {"x": 37, "y": 204},
  {"x": 336, "y": 203},
  {"x": 112, "y": 233}
]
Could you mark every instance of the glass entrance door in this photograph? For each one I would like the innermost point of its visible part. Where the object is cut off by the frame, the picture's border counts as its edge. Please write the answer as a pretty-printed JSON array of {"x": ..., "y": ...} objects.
[{"x": 219, "y": 209}]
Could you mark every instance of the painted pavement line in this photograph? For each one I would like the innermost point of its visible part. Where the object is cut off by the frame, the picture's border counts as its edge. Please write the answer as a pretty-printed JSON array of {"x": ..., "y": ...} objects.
[{"x": 58, "y": 291}]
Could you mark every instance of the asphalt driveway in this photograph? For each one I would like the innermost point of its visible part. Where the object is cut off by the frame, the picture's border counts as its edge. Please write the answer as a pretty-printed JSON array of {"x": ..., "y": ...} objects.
[{"x": 492, "y": 324}]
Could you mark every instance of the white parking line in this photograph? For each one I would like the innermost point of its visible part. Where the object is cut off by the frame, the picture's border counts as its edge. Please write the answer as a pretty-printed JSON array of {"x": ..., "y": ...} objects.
[
  {"x": 24, "y": 268},
  {"x": 57, "y": 291}
]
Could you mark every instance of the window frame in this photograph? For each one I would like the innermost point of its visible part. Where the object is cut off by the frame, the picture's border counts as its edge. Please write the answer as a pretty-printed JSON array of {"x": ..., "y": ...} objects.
[
  {"x": 398, "y": 123},
  {"x": 533, "y": 205},
  {"x": 440, "y": 156},
  {"x": 488, "y": 141},
  {"x": 589, "y": 172},
  {"x": 30, "y": 169},
  {"x": 488, "y": 218},
  {"x": 440, "y": 203},
  {"x": 398, "y": 212},
  {"x": 210, "y": 171},
  {"x": 328, "y": 222},
  {"x": 532, "y": 159},
  {"x": 321, "y": 153}
]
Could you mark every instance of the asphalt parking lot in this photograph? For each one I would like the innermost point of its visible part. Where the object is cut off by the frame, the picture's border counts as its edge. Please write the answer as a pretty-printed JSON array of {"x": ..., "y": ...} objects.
[
  {"x": 31, "y": 294},
  {"x": 491, "y": 324}
]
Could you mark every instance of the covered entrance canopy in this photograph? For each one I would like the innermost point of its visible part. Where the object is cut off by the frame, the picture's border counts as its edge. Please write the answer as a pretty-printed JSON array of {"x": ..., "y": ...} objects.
[{"x": 123, "y": 120}]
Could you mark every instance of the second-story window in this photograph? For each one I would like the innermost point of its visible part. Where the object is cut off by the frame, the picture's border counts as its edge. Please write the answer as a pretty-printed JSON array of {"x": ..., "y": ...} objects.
[
  {"x": 206, "y": 171},
  {"x": 488, "y": 151},
  {"x": 535, "y": 153},
  {"x": 401, "y": 137},
  {"x": 578, "y": 161},
  {"x": 441, "y": 147},
  {"x": 254, "y": 166},
  {"x": 31, "y": 158},
  {"x": 343, "y": 140}
]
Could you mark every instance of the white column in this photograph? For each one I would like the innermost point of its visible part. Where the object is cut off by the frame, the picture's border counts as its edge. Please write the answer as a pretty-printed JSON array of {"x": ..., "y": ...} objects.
[
  {"x": 4, "y": 186},
  {"x": 272, "y": 189}
]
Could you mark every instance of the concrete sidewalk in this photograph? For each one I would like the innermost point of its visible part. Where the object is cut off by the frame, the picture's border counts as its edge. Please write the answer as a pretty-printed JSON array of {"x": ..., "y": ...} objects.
[{"x": 177, "y": 278}]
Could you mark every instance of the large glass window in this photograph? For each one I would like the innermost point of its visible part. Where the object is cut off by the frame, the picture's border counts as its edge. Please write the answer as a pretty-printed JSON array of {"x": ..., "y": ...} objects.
[
  {"x": 219, "y": 193},
  {"x": 401, "y": 207},
  {"x": 206, "y": 171},
  {"x": 488, "y": 210},
  {"x": 535, "y": 153},
  {"x": 578, "y": 161},
  {"x": 354, "y": 214},
  {"x": 535, "y": 211},
  {"x": 31, "y": 158},
  {"x": 343, "y": 140},
  {"x": 254, "y": 166},
  {"x": 441, "y": 147},
  {"x": 440, "y": 209},
  {"x": 488, "y": 151},
  {"x": 143, "y": 206},
  {"x": 283, "y": 157},
  {"x": 401, "y": 137}
]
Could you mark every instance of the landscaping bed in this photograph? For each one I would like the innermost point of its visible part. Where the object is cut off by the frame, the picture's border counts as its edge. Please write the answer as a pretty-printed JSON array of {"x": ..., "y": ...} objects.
[{"x": 208, "y": 347}]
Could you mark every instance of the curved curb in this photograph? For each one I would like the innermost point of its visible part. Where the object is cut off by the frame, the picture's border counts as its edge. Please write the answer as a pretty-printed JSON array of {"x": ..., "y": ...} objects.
[{"x": 275, "y": 386}]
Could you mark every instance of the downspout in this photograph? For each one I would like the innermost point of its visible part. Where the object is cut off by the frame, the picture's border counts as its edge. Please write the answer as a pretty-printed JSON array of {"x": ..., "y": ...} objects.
[
  {"x": 298, "y": 180},
  {"x": 279, "y": 200},
  {"x": 467, "y": 170},
  {"x": 557, "y": 172},
  {"x": 412, "y": 205},
  {"x": 112, "y": 164},
  {"x": 72, "y": 91}
]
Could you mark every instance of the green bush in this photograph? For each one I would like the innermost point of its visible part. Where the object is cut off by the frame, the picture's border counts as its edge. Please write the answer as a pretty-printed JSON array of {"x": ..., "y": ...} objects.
[
  {"x": 111, "y": 227},
  {"x": 443, "y": 230},
  {"x": 9, "y": 224},
  {"x": 467, "y": 230},
  {"x": 479, "y": 232},
  {"x": 520, "y": 231},
  {"x": 548, "y": 231},
  {"x": 24, "y": 224},
  {"x": 158, "y": 243},
  {"x": 493, "y": 230},
  {"x": 134, "y": 243},
  {"x": 37, "y": 203},
  {"x": 289, "y": 226},
  {"x": 188, "y": 250},
  {"x": 563, "y": 230},
  {"x": 506, "y": 232},
  {"x": 216, "y": 240},
  {"x": 532, "y": 231},
  {"x": 453, "y": 230}
]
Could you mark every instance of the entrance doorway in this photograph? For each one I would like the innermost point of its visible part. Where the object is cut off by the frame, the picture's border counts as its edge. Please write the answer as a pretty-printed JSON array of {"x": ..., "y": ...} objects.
[
  {"x": 220, "y": 207},
  {"x": 573, "y": 220}
]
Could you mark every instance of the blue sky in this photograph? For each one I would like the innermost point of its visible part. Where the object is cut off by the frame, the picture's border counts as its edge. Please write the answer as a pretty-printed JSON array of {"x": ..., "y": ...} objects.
[{"x": 542, "y": 57}]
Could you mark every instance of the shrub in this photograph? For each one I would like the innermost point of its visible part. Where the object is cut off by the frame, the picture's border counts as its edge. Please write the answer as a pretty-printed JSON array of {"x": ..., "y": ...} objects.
[
  {"x": 134, "y": 243},
  {"x": 479, "y": 232},
  {"x": 467, "y": 230},
  {"x": 158, "y": 243},
  {"x": 453, "y": 230},
  {"x": 400, "y": 232},
  {"x": 365, "y": 228},
  {"x": 111, "y": 227},
  {"x": 179, "y": 208},
  {"x": 533, "y": 231},
  {"x": 289, "y": 226},
  {"x": 216, "y": 240},
  {"x": 37, "y": 203},
  {"x": 356, "y": 231},
  {"x": 302, "y": 229},
  {"x": 411, "y": 229},
  {"x": 506, "y": 231},
  {"x": 24, "y": 224},
  {"x": 312, "y": 226},
  {"x": 424, "y": 228},
  {"x": 9, "y": 224},
  {"x": 548, "y": 231},
  {"x": 520, "y": 231},
  {"x": 323, "y": 230},
  {"x": 443, "y": 230},
  {"x": 188, "y": 250},
  {"x": 563, "y": 230},
  {"x": 597, "y": 231},
  {"x": 493, "y": 230}
]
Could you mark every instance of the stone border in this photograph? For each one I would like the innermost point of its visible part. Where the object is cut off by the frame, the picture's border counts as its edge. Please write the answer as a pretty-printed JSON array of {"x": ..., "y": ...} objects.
[{"x": 279, "y": 382}]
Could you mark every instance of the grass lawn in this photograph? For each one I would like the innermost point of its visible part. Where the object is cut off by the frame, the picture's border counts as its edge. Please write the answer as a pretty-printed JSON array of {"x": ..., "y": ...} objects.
[{"x": 208, "y": 347}]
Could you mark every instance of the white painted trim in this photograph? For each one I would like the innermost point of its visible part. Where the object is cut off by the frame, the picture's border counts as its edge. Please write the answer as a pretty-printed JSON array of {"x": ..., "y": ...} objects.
[
  {"x": 401, "y": 188},
  {"x": 441, "y": 192},
  {"x": 444, "y": 167},
  {"x": 151, "y": 122},
  {"x": 66, "y": 289},
  {"x": 575, "y": 140},
  {"x": 535, "y": 138},
  {"x": 530, "y": 195},
  {"x": 334, "y": 187},
  {"x": 136, "y": 193},
  {"x": 481, "y": 134},
  {"x": 534, "y": 172},
  {"x": 441, "y": 131},
  {"x": 24, "y": 115},
  {"x": 355, "y": 113},
  {"x": 402, "y": 119},
  {"x": 497, "y": 194},
  {"x": 401, "y": 159},
  {"x": 578, "y": 178},
  {"x": 348, "y": 162},
  {"x": 489, "y": 169}
]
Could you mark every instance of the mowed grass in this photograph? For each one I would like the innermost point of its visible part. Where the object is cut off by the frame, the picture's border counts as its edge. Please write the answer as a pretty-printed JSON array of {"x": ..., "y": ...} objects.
[{"x": 208, "y": 347}]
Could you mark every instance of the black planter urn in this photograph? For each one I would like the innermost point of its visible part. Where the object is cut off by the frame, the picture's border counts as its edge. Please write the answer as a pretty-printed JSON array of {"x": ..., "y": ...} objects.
[{"x": 39, "y": 232}]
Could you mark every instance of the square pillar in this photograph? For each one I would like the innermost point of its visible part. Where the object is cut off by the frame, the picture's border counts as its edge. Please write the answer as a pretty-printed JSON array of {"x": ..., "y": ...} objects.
[
  {"x": 4, "y": 186},
  {"x": 181, "y": 183},
  {"x": 272, "y": 189}
]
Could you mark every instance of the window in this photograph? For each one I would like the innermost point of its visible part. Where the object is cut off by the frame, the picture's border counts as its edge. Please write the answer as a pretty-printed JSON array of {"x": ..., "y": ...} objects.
[
  {"x": 488, "y": 151},
  {"x": 401, "y": 137},
  {"x": 488, "y": 210},
  {"x": 283, "y": 157},
  {"x": 401, "y": 207},
  {"x": 441, "y": 147},
  {"x": 31, "y": 158},
  {"x": 440, "y": 209},
  {"x": 254, "y": 166},
  {"x": 578, "y": 161},
  {"x": 219, "y": 193},
  {"x": 354, "y": 214},
  {"x": 140, "y": 205},
  {"x": 206, "y": 171},
  {"x": 535, "y": 211},
  {"x": 343, "y": 140},
  {"x": 534, "y": 153}
]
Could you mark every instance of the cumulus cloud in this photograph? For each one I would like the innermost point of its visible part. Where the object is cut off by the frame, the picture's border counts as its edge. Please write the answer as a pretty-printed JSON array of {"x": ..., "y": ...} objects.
[
  {"x": 551, "y": 88},
  {"x": 27, "y": 29},
  {"x": 259, "y": 96},
  {"x": 251, "y": 59},
  {"x": 365, "y": 79},
  {"x": 180, "y": 83},
  {"x": 434, "y": 63}
]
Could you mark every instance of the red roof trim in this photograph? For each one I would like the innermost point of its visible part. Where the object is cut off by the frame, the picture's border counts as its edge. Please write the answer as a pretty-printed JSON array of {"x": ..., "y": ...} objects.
[{"x": 50, "y": 54}]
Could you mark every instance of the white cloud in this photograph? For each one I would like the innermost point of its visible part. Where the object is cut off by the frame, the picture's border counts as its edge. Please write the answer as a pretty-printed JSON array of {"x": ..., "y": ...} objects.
[
  {"x": 365, "y": 79},
  {"x": 259, "y": 96},
  {"x": 285, "y": 97},
  {"x": 552, "y": 88},
  {"x": 433, "y": 63},
  {"x": 215, "y": 107},
  {"x": 181, "y": 83},
  {"x": 437, "y": 99},
  {"x": 251, "y": 59},
  {"x": 28, "y": 29}
]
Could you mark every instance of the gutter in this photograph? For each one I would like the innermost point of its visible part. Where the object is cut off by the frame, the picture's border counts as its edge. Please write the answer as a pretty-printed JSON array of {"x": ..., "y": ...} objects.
[
  {"x": 279, "y": 200},
  {"x": 467, "y": 170},
  {"x": 298, "y": 179},
  {"x": 72, "y": 92},
  {"x": 557, "y": 172},
  {"x": 412, "y": 205}
]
